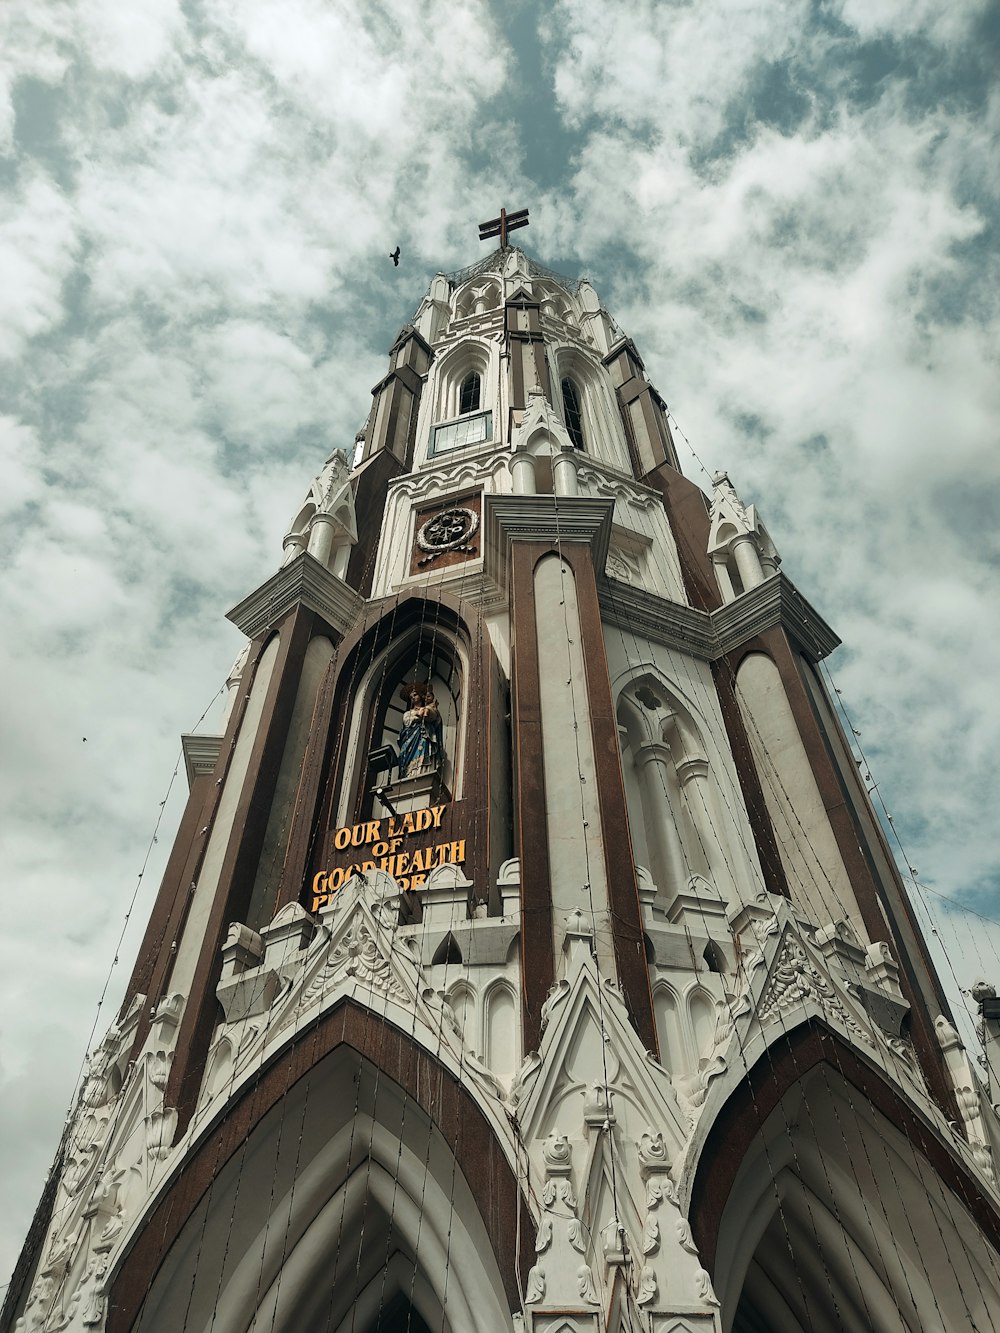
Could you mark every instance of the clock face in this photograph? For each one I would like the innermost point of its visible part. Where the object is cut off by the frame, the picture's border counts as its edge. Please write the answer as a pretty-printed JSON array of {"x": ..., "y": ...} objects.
[{"x": 448, "y": 530}]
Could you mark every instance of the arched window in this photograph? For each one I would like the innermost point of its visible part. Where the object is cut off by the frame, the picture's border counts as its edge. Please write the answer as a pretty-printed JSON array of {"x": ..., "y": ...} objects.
[
  {"x": 469, "y": 394},
  {"x": 572, "y": 411}
]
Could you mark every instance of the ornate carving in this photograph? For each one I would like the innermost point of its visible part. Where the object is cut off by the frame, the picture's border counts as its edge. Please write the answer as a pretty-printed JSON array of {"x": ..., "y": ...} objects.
[
  {"x": 356, "y": 954},
  {"x": 650, "y": 1234},
  {"x": 703, "y": 1283},
  {"x": 557, "y": 1155},
  {"x": 796, "y": 979},
  {"x": 526, "y": 1075},
  {"x": 585, "y": 1285},
  {"x": 544, "y": 1238},
  {"x": 448, "y": 530},
  {"x": 682, "y": 1228},
  {"x": 536, "y": 1286},
  {"x": 647, "y": 1285}
]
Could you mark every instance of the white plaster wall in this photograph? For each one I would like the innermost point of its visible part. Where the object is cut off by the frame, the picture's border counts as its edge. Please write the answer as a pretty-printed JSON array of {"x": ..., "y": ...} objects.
[{"x": 817, "y": 878}]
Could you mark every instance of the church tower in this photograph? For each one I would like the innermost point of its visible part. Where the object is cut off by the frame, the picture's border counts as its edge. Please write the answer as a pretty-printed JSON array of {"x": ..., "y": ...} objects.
[{"x": 530, "y": 956}]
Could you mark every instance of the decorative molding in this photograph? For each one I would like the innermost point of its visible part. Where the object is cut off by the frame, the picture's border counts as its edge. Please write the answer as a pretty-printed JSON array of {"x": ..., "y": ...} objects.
[
  {"x": 543, "y": 518},
  {"x": 776, "y": 601},
  {"x": 201, "y": 753},
  {"x": 638, "y": 611},
  {"x": 302, "y": 582},
  {"x": 709, "y": 635}
]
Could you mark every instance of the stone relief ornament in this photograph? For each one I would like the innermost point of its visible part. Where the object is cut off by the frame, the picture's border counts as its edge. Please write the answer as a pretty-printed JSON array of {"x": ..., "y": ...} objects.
[
  {"x": 585, "y": 1285},
  {"x": 703, "y": 1283},
  {"x": 447, "y": 530},
  {"x": 797, "y": 979},
  {"x": 647, "y": 1286},
  {"x": 526, "y": 1075},
  {"x": 650, "y": 1234},
  {"x": 544, "y": 1238},
  {"x": 357, "y": 955},
  {"x": 536, "y": 1286}
]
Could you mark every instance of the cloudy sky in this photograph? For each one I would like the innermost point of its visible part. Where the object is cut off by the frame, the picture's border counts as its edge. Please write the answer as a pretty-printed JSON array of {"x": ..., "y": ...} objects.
[{"x": 793, "y": 209}]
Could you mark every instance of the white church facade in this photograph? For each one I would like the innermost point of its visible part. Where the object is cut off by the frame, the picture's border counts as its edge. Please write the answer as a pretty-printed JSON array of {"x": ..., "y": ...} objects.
[{"x": 530, "y": 956}]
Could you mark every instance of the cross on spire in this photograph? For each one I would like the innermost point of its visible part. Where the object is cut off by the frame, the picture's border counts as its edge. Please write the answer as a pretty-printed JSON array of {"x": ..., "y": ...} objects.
[{"x": 505, "y": 223}]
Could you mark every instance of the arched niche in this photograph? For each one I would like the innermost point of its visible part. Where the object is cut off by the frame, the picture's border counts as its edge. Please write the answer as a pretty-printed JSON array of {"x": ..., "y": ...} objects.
[
  {"x": 342, "y": 1208},
  {"x": 600, "y": 420},
  {"x": 502, "y": 1030},
  {"x": 843, "y": 1209},
  {"x": 478, "y": 296},
  {"x": 451, "y": 419},
  {"x": 427, "y": 650},
  {"x": 668, "y": 1029},
  {"x": 555, "y": 302},
  {"x": 676, "y": 831}
]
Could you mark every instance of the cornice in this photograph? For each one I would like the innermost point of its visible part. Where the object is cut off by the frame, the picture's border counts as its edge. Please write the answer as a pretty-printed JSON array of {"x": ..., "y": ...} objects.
[
  {"x": 709, "y": 635},
  {"x": 671, "y": 623},
  {"x": 201, "y": 754},
  {"x": 304, "y": 581},
  {"x": 775, "y": 602},
  {"x": 543, "y": 518}
]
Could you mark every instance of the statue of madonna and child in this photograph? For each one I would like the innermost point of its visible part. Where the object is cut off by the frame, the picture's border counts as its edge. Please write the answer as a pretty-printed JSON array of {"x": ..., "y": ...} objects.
[{"x": 421, "y": 748}]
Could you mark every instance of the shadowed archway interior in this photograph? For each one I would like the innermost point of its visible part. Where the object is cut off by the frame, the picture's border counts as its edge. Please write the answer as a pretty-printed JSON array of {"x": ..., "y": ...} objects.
[{"x": 344, "y": 1210}]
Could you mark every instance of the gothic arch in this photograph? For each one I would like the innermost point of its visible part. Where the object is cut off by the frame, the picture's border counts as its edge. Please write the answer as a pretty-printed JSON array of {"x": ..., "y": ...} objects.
[
  {"x": 335, "y": 1142},
  {"x": 478, "y": 296},
  {"x": 672, "y": 812},
  {"x": 555, "y": 302},
  {"x": 821, "y": 1199},
  {"x": 601, "y": 425},
  {"x": 471, "y": 354}
]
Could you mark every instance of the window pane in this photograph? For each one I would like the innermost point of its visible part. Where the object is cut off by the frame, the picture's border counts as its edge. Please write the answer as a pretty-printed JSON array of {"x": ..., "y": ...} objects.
[
  {"x": 458, "y": 434},
  {"x": 469, "y": 394},
  {"x": 571, "y": 411}
]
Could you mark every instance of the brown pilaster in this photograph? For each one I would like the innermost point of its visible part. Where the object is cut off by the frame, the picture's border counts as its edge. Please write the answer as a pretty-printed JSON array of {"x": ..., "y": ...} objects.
[
  {"x": 879, "y": 915},
  {"x": 537, "y": 959},
  {"x": 746, "y": 770}
]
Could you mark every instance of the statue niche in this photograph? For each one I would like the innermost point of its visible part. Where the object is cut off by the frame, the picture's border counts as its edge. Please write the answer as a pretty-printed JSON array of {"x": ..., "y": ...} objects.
[{"x": 414, "y": 733}]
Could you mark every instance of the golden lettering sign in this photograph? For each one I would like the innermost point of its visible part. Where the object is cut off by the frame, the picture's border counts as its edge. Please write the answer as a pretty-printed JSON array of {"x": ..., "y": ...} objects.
[{"x": 382, "y": 840}]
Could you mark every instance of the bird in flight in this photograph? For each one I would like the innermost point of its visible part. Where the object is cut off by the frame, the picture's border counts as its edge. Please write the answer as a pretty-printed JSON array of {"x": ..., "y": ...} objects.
[{"x": 395, "y": 256}]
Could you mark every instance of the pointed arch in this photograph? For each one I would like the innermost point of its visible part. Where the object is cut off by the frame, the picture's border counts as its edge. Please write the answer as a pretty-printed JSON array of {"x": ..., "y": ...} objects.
[
  {"x": 874, "y": 1196},
  {"x": 447, "y": 1170}
]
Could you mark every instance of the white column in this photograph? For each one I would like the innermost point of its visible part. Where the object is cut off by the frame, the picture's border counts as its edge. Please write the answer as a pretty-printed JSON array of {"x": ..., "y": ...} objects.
[
  {"x": 564, "y": 480},
  {"x": 747, "y": 560},
  {"x": 321, "y": 533},
  {"x": 341, "y": 558},
  {"x": 653, "y": 763},
  {"x": 693, "y": 774},
  {"x": 522, "y": 470},
  {"x": 722, "y": 575}
]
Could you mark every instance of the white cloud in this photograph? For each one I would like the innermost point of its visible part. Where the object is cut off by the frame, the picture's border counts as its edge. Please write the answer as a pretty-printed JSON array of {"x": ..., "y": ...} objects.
[{"x": 38, "y": 241}]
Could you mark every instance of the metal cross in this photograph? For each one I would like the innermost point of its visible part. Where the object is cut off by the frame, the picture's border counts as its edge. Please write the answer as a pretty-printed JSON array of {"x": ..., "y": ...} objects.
[{"x": 505, "y": 223}]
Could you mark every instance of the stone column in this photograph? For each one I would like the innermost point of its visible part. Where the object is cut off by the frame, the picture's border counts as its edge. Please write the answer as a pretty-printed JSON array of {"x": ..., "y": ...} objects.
[
  {"x": 747, "y": 556},
  {"x": 693, "y": 775},
  {"x": 522, "y": 471},
  {"x": 564, "y": 480},
  {"x": 722, "y": 575},
  {"x": 341, "y": 558},
  {"x": 654, "y": 764},
  {"x": 321, "y": 534}
]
